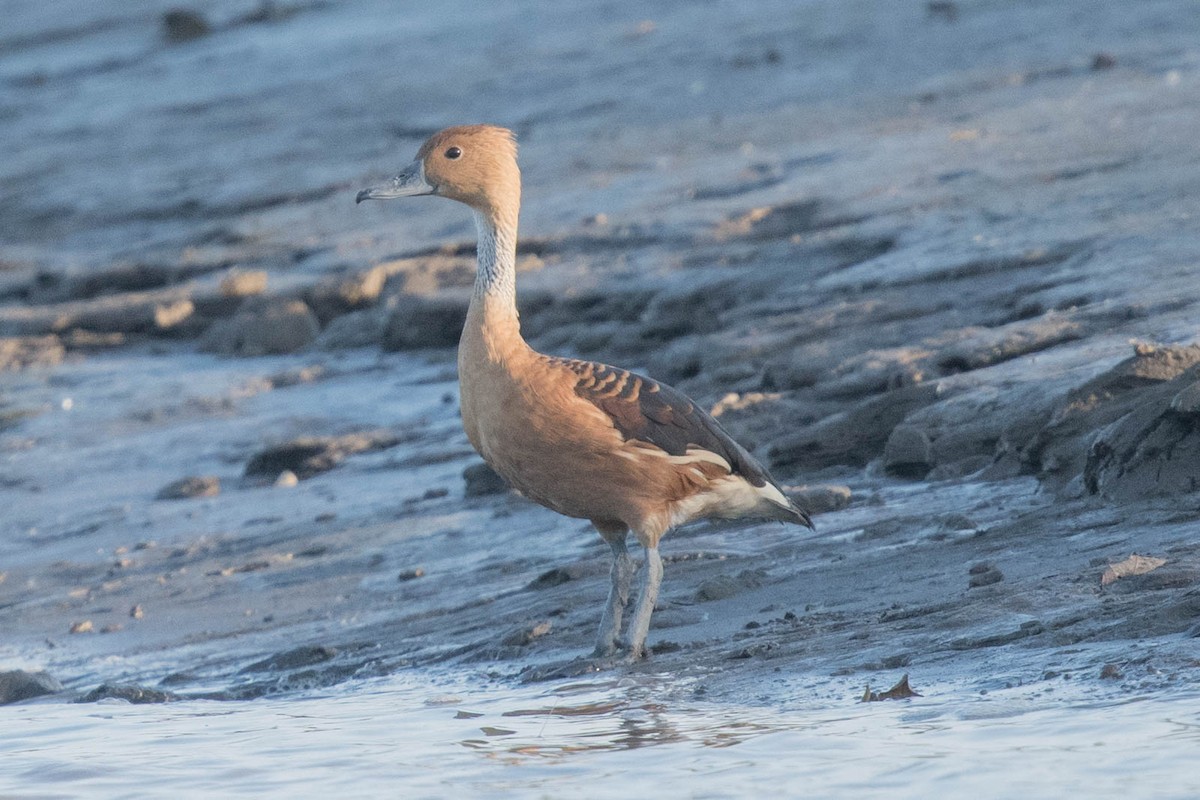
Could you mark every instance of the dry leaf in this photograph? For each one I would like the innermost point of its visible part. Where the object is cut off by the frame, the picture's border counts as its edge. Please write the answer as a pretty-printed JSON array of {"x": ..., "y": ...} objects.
[
  {"x": 1134, "y": 565},
  {"x": 900, "y": 691}
]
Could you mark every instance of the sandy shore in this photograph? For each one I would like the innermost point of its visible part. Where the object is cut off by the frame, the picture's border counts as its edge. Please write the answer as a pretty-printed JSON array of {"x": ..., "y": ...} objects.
[{"x": 937, "y": 267}]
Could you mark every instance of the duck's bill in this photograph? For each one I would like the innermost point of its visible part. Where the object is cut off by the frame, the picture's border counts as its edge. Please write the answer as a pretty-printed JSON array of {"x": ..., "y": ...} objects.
[{"x": 409, "y": 183}]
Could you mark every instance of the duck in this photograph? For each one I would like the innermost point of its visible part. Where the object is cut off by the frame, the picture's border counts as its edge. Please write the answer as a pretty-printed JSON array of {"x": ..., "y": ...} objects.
[{"x": 585, "y": 439}]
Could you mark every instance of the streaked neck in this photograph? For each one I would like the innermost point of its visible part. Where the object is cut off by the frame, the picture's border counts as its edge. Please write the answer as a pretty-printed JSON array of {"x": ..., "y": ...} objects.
[
  {"x": 493, "y": 313},
  {"x": 496, "y": 271}
]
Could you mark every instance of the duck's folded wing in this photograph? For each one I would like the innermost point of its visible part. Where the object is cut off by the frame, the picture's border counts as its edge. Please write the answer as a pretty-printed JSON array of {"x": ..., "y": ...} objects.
[{"x": 655, "y": 414}]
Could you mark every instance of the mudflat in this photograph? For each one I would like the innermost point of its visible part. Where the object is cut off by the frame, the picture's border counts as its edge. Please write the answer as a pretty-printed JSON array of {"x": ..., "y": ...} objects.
[{"x": 935, "y": 265}]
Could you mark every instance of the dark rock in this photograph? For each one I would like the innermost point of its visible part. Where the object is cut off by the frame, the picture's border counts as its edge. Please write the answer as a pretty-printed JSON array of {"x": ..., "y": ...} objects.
[
  {"x": 411, "y": 574},
  {"x": 1154, "y": 449},
  {"x": 184, "y": 25},
  {"x": 984, "y": 347},
  {"x": 297, "y": 376},
  {"x": 194, "y": 486},
  {"x": 693, "y": 308},
  {"x": 961, "y": 522},
  {"x": 312, "y": 455},
  {"x": 161, "y": 313},
  {"x": 524, "y": 635},
  {"x": 775, "y": 222},
  {"x": 17, "y": 685},
  {"x": 721, "y": 587},
  {"x": 354, "y": 329},
  {"x": 853, "y": 437},
  {"x": 263, "y": 326},
  {"x": 1066, "y": 443},
  {"x": 131, "y": 693},
  {"x": 1158, "y": 580},
  {"x": 908, "y": 453},
  {"x": 1103, "y": 61},
  {"x": 553, "y": 577},
  {"x": 718, "y": 588},
  {"x": 293, "y": 659},
  {"x": 483, "y": 480},
  {"x": 419, "y": 322},
  {"x": 984, "y": 575},
  {"x": 23, "y": 352},
  {"x": 946, "y": 10},
  {"x": 334, "y": 297},
  {"x": 971, "y": 430},
  {"x": 820, "y": 499}
]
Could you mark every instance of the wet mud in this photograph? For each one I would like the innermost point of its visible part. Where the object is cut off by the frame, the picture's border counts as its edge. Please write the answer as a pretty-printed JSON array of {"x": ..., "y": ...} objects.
[{"x": 952, "y": 307}]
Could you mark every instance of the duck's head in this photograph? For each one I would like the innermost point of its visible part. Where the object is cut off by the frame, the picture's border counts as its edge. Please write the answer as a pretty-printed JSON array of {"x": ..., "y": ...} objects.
[{"x": 473, "y": 164}]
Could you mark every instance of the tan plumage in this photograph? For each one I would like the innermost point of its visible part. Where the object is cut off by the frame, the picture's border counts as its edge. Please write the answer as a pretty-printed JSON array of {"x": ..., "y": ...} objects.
[{"x": 585, "y": 439}]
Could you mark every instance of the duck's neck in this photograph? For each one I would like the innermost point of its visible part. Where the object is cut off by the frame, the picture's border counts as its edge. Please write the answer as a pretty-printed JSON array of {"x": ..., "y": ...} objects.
[{"x": 493, "y": 311}]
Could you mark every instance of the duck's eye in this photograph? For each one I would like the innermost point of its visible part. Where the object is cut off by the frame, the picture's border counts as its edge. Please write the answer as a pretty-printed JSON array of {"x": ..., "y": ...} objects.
[{"x": 453, "y": 153}]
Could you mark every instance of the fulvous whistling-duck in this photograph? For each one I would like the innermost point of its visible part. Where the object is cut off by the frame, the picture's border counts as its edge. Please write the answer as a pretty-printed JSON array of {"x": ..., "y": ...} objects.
[{"x": 585, "y": 439}]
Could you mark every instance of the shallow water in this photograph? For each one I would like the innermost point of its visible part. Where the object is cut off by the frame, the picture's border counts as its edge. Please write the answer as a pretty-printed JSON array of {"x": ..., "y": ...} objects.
[{"x": 418, "y": 736}]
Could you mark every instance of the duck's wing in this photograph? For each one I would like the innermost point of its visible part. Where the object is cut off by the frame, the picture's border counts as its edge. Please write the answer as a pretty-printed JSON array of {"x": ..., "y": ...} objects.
[{"x": 660, "y": 416}]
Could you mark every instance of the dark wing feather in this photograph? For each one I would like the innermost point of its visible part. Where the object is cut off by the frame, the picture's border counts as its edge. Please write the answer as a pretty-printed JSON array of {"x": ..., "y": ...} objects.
[{"x": 649, "y": 411}]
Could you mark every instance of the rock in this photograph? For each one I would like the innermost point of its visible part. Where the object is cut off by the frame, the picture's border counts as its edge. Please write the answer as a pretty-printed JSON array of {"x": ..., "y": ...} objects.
[
  {"x": 482, "y": 480},
  {"x": 694, "y": 307},
  {"x": 774, "y": 222},
  {"x": 721, "y": 587},
  {"x": 983, "y": 575},
  {"x": 194, "y": 486},
  {"x": 948, "y": 353},
  {"x": 554, "y": 577},
  {"x": 131, "y": 693},
  {"x": 77, "y": 339},
  {"x": 524, "y": 635},
  {"x": 1152, "y": 450},
  {"x": 908, "y": 453},
  {"x": 312, "y": 455},
  {"x": 83, "y": 626},
  {"x": 718, "y": 588},
  {"x": 286, "y": 480},
  {"x": 420, "y": 322},
  {"x": 247, "y": 283},
  {"x": 853, "y": 437},
  {"x": 297, "y": 376},
  {"x": 173, "y": 317},
  {"x": 262, "y": 327},
  {"x": 184, "y": 25},
  {"x": 17, "y": 685},
  {"x": 410, "y": 574},
  {"x": 355, "y": 329},
  {"x": 1066, "y": 442},
  {"x": 108, "y": 280},
  {"x": 1187, "y": 401},
  {"x": 23, "y": 352},
  {"x": 946, "y": 10},
  {"x": 820, "y": 499},
  {"x": 543, "y": 314},
  {"x": 295, "y": 658},
  {"x": 336, "y": 296}
]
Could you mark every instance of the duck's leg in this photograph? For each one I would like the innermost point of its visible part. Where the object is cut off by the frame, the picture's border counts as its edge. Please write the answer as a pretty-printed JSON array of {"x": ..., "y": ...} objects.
[
  {"x": 621, "y": 576},
  {"x": 639, "y": 626}
]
